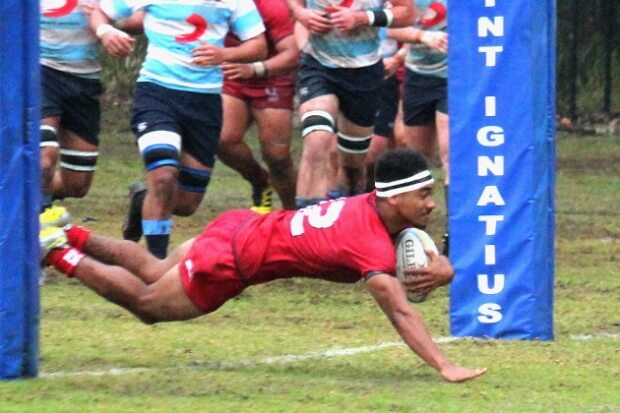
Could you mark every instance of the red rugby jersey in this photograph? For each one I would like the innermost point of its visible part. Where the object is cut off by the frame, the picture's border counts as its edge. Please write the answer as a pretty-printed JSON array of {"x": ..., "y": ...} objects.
[
  {"x": 278, "y": 24},
  {"x": 339, "y": 240}
]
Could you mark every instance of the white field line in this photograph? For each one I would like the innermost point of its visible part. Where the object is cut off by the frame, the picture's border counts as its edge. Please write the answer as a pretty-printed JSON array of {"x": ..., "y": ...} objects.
[{"x": 284, "y": 359}]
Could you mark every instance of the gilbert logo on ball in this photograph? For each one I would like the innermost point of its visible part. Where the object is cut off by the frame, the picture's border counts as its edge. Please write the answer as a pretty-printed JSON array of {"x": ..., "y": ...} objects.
[{"x": 411, "y": 247}]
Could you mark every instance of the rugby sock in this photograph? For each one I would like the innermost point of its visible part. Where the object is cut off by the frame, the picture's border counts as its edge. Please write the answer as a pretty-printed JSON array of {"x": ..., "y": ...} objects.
[
  {"x": 304, "y": 202},
  {"x": 64, "y": 260},
  {"x": 336, "y": 193},
  {"x": 77, "y": 236},
  {"x": 157, "y": 235},
  {"x": 46, "y": 201}
]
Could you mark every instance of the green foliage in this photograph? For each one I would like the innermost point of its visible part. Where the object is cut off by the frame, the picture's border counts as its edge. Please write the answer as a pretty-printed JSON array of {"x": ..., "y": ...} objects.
[
  {"x": 217, "y": 363},
  {"x": 585, "y": 25},
  {"x": 119, "y": 75}
]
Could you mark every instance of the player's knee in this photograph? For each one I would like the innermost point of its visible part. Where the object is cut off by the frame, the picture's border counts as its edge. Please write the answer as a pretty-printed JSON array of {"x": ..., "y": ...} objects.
[
  {"x": 353, "y": 145},
  {"x": 162, "y": 186},
  {"x": 317, "y": 121},
  {"x": 159, "y": 149},
  {"x": 47, "y": 162},
  {"x": 76, "y": 190}
]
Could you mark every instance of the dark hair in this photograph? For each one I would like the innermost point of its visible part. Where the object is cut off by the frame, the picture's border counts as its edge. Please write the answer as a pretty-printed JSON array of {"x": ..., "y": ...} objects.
[{"x": 398, "y": 164}]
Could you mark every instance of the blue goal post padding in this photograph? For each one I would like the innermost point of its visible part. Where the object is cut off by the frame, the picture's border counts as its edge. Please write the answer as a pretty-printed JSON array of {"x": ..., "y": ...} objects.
[
  {"x": 502, "y": 165},
  {"x": 19, "y": 188}
]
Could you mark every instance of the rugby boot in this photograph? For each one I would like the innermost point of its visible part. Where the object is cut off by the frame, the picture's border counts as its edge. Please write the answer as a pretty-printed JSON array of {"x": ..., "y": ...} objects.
[
  {"x": 54, "y": 216},
  {"x": 132, "y": 226},
  {"x": 51, "y": 238},
  {"x": 261, "y": 198}
]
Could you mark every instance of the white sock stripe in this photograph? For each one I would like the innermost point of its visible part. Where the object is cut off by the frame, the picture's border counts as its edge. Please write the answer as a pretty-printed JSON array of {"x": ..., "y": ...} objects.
[
  {"x": 318, "y": 112},
  {"x": 47, "y": 127},
  {"x": 347, "y": 150},
  {"x": 159, "y": 138},
  {"x": 389, "y": 17},
  {"x": 311, "y": 129},
  {"x": 354, "y": 138},
  {"x": 49, "y": 144},
  {"x": 79, "y": 168},
  {"x": 85, "y": 154}
]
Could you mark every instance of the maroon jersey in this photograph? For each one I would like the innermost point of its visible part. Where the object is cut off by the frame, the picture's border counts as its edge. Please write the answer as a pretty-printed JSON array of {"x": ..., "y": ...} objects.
[
  {"x": 340, "y": 240},
  {"x": 278, "y": 24}
]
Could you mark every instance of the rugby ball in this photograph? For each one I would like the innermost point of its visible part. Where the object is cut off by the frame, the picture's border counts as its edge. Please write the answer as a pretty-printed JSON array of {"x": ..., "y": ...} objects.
[{"x": 410, "y": 246}]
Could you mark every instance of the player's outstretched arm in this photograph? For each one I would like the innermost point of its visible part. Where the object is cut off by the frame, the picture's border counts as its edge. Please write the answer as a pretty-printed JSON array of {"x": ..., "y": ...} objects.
[{"x": 390, "y": 296}]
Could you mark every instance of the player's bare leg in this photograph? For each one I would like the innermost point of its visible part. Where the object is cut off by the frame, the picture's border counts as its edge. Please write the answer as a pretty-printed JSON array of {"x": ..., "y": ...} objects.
[
  {"x": 352, "y": 161},
  {"x": 233, "y": 151},
  {"x": 133, "y": 257},
  {"x": 153, "y": 293},
  {"x": 274, "y": 133},
  {"x": 316, "y": 170},
  {"x": 74, "y": 179},
  {"x": 164, "y": 300}
]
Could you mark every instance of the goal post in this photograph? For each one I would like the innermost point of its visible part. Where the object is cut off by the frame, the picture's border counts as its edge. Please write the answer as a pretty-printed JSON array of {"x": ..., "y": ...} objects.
[
  {"x": 502, "y": 167},
  {"x": 19, "y": 188}
]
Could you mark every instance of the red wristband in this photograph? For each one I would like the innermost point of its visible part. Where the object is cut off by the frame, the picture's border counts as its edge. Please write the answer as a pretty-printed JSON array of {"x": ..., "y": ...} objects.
[
  {"x": 65, "y": 260},
  {"x": 77, "y": 236}
]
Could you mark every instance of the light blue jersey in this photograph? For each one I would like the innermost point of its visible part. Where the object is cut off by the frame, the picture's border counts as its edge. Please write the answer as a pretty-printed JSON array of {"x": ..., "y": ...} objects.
[
  {"x": 431, "y": 15},
  {"x": 66, "y": 41},
  {"x": 356, "y": 48},
  {"x": 175, "y": 27},
  {"x": 388, "y": 46}
]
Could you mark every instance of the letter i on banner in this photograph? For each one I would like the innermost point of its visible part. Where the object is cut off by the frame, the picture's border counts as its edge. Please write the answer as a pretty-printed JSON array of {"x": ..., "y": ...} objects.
[{"x": 502, "y": 164}]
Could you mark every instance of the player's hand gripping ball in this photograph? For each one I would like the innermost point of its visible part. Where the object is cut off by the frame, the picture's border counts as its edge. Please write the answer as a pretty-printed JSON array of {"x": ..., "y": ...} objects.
[{"x": 411, "y": 244}]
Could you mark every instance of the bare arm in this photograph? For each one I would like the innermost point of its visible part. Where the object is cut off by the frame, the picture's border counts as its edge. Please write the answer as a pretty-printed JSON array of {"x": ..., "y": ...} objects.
[
  {"x": 133, "y": 24},
  {"x": 115, "y": 42},
  {"x": 343, "y": 18},
  {"x": 284, "y": 61},
  {"x": 250, "y": 50},
  {"x": 434, "y": 39},
  {"x": 390, "y": 296},
  {"x": 314, "y": 20}
]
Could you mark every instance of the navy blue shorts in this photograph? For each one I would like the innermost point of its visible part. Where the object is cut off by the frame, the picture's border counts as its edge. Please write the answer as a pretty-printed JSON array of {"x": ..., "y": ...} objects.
[
  {"x": 74, "y": 99},
  {"x": 196, "y": 117},
  {"x": 388, "y": 107},
  {"x": 422, "y": 97},
  {"x": 356, "y": 89}
]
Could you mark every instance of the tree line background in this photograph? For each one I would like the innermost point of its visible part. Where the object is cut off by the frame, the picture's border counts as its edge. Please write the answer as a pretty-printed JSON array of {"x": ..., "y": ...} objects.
[{"x": 588, "y": 60}]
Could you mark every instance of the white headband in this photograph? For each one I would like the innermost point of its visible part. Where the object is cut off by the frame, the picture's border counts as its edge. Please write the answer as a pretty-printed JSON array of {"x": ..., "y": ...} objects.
[{"x": 400, "y": 186}]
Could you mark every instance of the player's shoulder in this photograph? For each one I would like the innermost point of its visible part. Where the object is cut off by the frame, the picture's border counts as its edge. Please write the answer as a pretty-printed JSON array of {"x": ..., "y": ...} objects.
[{"x": 276, "y": 11}]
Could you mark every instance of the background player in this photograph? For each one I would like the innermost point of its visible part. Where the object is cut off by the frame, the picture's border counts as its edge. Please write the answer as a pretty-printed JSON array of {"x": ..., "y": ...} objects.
[
  {"x": 425, "y": 92},
  {"x": 70, "y": 109},
  {"x": 263, "y": 91},
  {"x": 339, "y": 79},
  {"x": 342, "y": 240},
  {"x": 177, "y": 111}
]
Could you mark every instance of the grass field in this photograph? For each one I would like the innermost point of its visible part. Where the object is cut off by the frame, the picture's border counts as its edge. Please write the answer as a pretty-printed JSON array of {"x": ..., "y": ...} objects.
[{"x": 97, "y": 358}]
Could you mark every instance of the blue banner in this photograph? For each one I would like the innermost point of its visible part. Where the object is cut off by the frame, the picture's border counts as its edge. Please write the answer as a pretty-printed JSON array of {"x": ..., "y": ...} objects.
[
  {"x": 502, "y": 161},
  {"x": 19, "y": 188}
]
